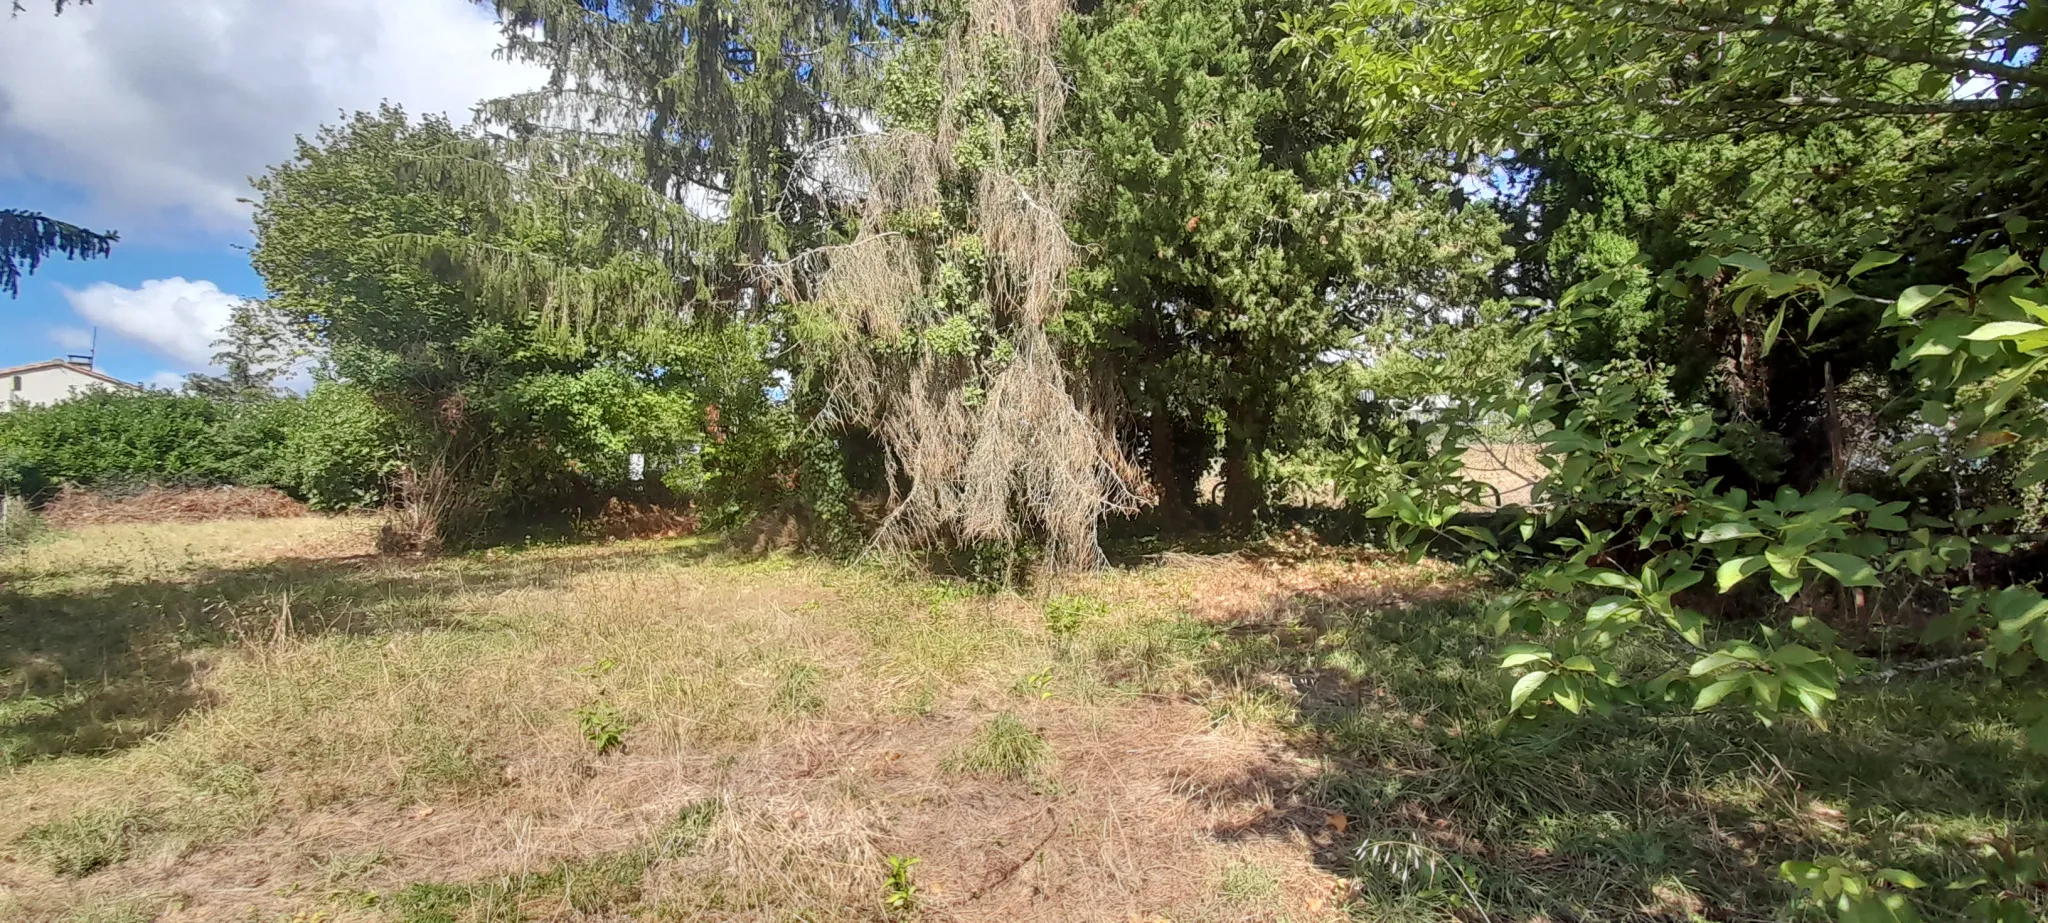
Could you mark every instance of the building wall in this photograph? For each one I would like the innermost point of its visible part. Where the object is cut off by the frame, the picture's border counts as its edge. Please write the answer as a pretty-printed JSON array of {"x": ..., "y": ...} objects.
[{"x": 45, "y": 386}]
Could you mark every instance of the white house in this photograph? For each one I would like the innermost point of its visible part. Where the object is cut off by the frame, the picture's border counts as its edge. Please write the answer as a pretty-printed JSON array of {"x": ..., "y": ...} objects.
[{"x": 43, "y": 383}]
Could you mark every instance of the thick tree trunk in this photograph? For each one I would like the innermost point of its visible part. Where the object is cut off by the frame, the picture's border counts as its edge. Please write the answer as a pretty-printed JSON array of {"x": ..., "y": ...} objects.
[
  {"x": 1243, "y": 495},
  {"x": 1176, "y": 495}
]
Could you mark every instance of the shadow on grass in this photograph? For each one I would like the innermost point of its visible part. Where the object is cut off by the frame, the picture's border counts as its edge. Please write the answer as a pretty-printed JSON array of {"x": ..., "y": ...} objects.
[
  {"x": 101, "y": 668},
  {"x": 1654, "y": 815}
]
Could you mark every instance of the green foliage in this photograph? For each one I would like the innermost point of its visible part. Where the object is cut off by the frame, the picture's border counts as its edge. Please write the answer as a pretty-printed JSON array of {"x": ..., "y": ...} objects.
[
  {"x": 899, "y": 893},
  {"x": 1241, "y": 231},
  {"x": 1853, "y": 897},
  {"x": 105, "y": 435},
  {"x": 603, "y": 725},
  {"x": 333, "y": 448},
  {"x": 1065, "y": 615},
  {"x": 341, "y": 450},
  {"x": 503, "y": 408},
  {"x": 1631, "y": 519}
]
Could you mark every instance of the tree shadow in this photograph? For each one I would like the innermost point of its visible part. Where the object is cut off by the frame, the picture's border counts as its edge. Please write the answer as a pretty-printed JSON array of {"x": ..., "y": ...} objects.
[
  {"x": 1657, "y": 814},
  {"x": 102, "y": 668}
]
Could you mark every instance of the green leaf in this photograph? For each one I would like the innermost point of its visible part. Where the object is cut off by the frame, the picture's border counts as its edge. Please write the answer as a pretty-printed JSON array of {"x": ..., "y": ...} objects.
[
  {"x": 2003, "y": 330},
  {"x": 1933, "y": 413},
  {"x": 1736, "y": 570},
  {"x": 1771, "y": 329},
  {"x": 1728, "y": 532},
  {"x": 1900, "y": 877},
  {"x": 1608, "y": 578},
  {"x": 1813, "y": 320},
  {"x": 2037, "y": 736},
  {"x": 1518, "y": 654},
  {"x": 1526, "y": 687},
  {"x": 1784, "y": 559},
  {"x": 1712, "y": 662},
  {"x": 1847, "y": 569},
  {"x": 1795, "y": 654},
  {"x": 1748, "y": 261},
  {"x": 1716, "y": 691},
  {"x": 1787, "y": 587},
  {"x": 1914, "y": 299},
  {"x": 1991, "y": 264},
  {"x": 1872, "y": 260},
  {"x": 1704, "y": 267}
]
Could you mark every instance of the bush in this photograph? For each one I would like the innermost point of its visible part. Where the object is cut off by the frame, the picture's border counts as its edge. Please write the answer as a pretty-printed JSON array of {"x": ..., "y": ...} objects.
[
  {"x": 334, "y": 448},
  {"x": 339, "y": 449},
  {"x": 106, "y": 436}
]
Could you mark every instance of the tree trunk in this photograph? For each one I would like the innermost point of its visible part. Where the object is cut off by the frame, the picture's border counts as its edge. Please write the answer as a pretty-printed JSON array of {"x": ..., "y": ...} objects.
[
  {"x": 1243, "y": 495},
  {"x": 1163, "y": 455}
]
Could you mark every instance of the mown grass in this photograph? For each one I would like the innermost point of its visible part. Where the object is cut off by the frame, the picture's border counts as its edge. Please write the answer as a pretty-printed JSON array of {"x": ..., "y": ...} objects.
[{"x": 654, "y": 731}]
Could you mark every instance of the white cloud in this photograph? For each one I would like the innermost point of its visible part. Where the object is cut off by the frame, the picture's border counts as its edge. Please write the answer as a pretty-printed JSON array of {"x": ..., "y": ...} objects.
[
  {"x": 73, "y": 339},
  {"x": 162, "y": 110},
  {"x": 174, "y": 318},
  {"x": 167, "y": 380}
]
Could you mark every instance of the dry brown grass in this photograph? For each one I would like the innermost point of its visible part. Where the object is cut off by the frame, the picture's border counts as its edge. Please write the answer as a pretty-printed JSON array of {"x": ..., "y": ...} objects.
[
  {"x": 74, "y": 507},
  {"x": 436, "y": 737}
]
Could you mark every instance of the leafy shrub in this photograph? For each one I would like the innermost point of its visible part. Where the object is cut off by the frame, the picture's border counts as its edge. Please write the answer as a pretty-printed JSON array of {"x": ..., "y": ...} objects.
[
  {"x": 101, "y": 436},
  {"x": 339, "y": 451},
  {"x": 1636, "y": 529},
  {"x": 333, "y": 448}
]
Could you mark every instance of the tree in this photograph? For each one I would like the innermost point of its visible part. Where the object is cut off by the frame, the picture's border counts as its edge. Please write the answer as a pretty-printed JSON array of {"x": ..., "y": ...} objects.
[
  {"x": 1480, "y": 76},
  {"x": 259, "y": 346},
  {"x": 1242, "y": 232},
  {"x": 59, "y": 4},
  {"x": 27, "y": 238},
  {"x": 507, "y": 408},
  {"x": 699, "y": 135},
  {"x": 939, "y": 326}
]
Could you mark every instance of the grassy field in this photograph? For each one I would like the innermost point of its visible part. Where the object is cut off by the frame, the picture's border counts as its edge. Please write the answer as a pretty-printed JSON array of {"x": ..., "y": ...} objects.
[{"x": 261, "y": 721}]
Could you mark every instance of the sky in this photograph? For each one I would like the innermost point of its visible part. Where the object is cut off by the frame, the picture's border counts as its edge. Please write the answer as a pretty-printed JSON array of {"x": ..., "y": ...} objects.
[{"x": 148, "y": 117}]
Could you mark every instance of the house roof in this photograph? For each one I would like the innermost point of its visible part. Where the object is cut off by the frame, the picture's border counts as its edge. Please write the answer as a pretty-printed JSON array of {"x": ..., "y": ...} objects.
[{"x": 86, "y": 370}]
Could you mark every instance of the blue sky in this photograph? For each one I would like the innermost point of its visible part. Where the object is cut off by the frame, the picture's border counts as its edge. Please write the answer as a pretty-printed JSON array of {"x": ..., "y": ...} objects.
[{"x": 148, "y": 117}]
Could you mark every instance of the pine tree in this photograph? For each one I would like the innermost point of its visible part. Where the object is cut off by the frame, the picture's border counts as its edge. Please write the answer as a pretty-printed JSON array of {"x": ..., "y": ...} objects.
[{"x": 27, "y": 238}]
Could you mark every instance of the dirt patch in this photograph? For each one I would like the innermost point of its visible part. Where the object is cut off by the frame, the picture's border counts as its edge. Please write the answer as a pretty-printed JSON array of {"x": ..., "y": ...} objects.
[
  {"x": 73, "y": 508},
  {"x": 623, "y": 519}
]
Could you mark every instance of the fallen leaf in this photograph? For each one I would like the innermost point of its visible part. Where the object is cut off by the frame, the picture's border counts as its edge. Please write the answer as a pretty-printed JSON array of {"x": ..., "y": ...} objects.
[
  {"x": 423, "y": 812},
  {"x": 1339, "y": 822}
]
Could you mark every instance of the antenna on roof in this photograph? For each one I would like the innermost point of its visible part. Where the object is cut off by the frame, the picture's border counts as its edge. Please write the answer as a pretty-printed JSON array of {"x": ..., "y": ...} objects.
[{"x": 90, "y": 355}]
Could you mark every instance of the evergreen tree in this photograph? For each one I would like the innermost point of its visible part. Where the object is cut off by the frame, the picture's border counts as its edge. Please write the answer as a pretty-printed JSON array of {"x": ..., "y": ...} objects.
[
  {"x": 27, "y": 238},
  {"x": 1241, "y": 232}
]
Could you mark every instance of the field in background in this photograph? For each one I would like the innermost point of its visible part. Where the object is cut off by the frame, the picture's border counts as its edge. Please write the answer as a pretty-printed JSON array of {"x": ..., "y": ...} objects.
[{"x": 262, "y": 721}]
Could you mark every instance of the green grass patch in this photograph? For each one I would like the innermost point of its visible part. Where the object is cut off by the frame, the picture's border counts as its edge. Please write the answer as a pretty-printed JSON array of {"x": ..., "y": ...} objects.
[
  {"x": 87, "y": 841},
  {"x": 1004, "y": 747}
]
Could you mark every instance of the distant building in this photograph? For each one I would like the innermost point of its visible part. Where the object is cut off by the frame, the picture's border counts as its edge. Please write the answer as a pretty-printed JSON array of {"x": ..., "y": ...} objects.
[{"x": 43, "y": 383}]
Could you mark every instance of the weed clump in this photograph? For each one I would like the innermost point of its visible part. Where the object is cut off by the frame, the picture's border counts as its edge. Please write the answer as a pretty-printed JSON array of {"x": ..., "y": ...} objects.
[
  {"x": 603, "y": 726},
  {"x": 1064, "y": 615},
  {"x": 1004, "y": 747}
]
